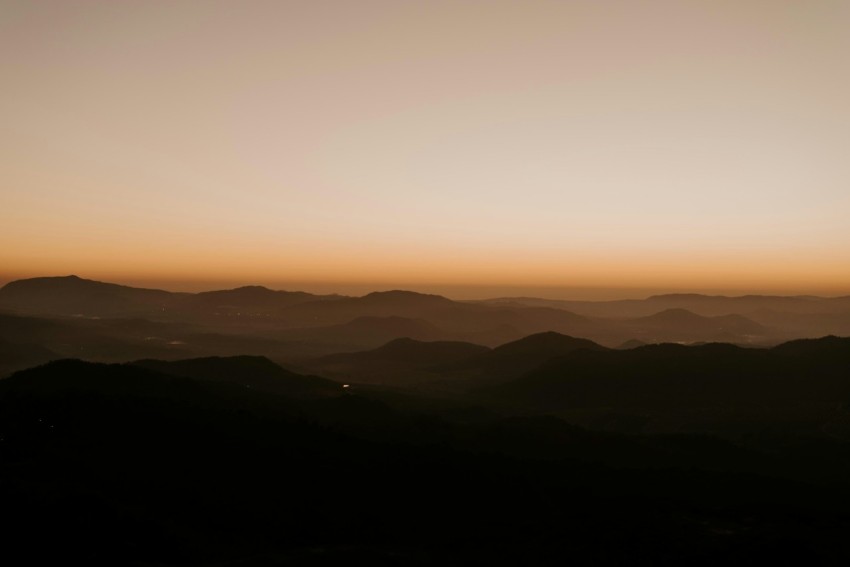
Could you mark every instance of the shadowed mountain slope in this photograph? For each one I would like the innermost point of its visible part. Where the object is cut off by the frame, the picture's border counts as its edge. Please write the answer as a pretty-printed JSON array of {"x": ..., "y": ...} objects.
[
  {"x": 706, "y": 305},
  {"x": 401, "y": 361},
  {"x": 683, "y": 325},
  {"x": 453, "y": 317},
  {"x": 447, "y": 365},
  {"x": 254, "y": 372},
  {"x": 361, "y": 333},
  {"x": 119, "y": 464},
  {"x": 675, "y": 377},
  {"x": 512, "y": 359},
  {"x": 118, "y": 340}
]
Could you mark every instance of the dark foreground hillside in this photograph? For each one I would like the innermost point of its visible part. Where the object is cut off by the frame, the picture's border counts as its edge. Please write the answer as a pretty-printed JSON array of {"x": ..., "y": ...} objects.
[
  {"x": 782, "y": 395},
  {"x": 163, "y": 464}
]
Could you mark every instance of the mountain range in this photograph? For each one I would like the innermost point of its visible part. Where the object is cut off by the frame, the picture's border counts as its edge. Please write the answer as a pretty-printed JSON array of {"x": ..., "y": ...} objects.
[
  {"x": 253, "y": 426},
  {"x": 328, "y": 323},
  {"x": 239, "y": 461}
]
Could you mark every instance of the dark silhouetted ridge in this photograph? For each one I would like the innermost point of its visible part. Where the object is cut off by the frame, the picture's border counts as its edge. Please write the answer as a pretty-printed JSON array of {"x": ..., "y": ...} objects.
[
  {"x": 255, "y": 372},
  {"x": 544, "y": 344},
  {"x": 513, "y": 359},
  {"x": 254, "y": 294},
  {"x": 676, "y": 377},
  {"x": 107, "y": 379},
  {"x": 403, "y": 295},
  {"x": 71, "y": 295},
  {"x": 816, "y": 347}
]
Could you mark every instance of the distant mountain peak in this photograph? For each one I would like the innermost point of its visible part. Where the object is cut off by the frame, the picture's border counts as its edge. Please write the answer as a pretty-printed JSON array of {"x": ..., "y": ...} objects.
[
  {"x": 681, "y": 296},
  {"x": 546, "y": 341},
  {"x": 252, "y": 290},
  {"x": 402, "y": 293},
  {"x": 58, "y": 281},
  {"x": 674, "y": 314}
]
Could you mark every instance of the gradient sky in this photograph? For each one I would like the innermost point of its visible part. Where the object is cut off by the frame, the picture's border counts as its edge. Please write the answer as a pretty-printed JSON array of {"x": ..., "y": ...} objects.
[{"x": 467, "y": 145}]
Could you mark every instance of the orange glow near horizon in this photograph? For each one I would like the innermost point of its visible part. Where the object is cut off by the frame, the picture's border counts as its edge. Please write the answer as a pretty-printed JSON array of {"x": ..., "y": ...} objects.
[{"x": 463, "y": 147}]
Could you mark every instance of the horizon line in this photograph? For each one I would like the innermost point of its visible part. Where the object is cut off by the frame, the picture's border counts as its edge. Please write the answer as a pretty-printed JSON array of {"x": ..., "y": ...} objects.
[{"x": 359, "y": 289}]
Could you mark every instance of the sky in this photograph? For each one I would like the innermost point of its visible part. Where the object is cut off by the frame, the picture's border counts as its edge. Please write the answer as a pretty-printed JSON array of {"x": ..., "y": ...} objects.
[{"x": 564, "y": 148}]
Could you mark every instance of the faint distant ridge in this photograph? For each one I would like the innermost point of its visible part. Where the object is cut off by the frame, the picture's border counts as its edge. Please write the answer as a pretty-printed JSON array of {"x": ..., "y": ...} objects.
[
  {"x": 400, "y": 295},
  {"x": 671, "y": 318},
  {"x": 250, "y": 292},
  {"x": 677, "y": 325},
  {"x": 72, "y": 295},
  {"x": 363, "y": 332},
  {"x": 701, "y": 304},
  {"x": 321, "y": 324},
  {"x": 252, "y": 299},
  {"x": 709, "y": 297},
  {"x": 291, "y": 315},
  {"x": 465, "y": 321}
]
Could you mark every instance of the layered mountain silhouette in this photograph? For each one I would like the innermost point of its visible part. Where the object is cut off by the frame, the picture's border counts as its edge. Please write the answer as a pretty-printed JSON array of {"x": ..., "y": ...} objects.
[
  {"x": 457, "y": 318},
  {"x": 399, "y": 362},
  {"x": 181, "y": 463},
  {"x": 447, "y": 365},
  {"x": 159, "y": 378},
  {"x": 119, "y": 340},
  {"x": 785, "y": 316},
  {"x": 681, "y": 325},
  {"x": 713, "y": 387},
  {"x": 513, "y": 359},
  {"x": 314, "y": 324},
  {"x": 363, "y": 332},
  {"x": 256, "y": 372},
  {"x": 248, "y": 300},
  {"x": 72, "y": 295},
  {"x": 706, "y": 305}
]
